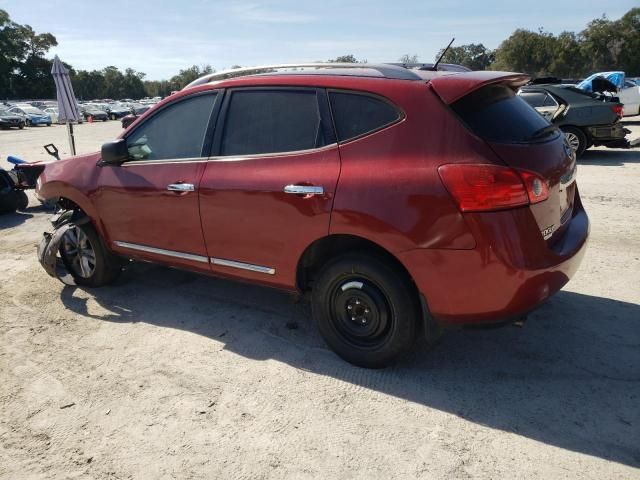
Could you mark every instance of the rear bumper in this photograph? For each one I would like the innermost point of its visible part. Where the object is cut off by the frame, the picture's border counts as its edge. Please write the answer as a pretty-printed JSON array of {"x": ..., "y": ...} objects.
[
  {"x": 510, "y": 272},
  {"x": 609, "y": 135}
]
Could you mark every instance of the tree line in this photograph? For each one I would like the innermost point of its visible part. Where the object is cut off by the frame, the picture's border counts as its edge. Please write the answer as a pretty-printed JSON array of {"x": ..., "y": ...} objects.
[{"x": 603, "y": 45}]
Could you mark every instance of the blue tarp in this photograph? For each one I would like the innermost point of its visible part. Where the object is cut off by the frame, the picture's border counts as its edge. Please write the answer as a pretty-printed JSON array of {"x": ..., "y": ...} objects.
[{"x": 617, "y": 78}]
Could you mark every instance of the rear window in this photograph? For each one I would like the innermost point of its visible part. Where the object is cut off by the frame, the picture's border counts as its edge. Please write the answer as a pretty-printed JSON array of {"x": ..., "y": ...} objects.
[
  {"x": 356, "y": 114},
  {"x": 497, "y": 114}
]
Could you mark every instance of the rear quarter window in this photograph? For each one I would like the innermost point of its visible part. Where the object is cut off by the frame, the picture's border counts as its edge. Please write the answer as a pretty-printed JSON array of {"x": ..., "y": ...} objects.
[
  {"x": 356, "y": 114},
  {"x": 497, "y": 114}
]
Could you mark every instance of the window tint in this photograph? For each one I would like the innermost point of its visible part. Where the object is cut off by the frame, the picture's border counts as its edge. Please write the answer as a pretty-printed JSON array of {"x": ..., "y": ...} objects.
[
  {"x": 355, "y": 114},
  {"x": 496, "y": 113},
  {"x": 272, "y": 121},
  {"x": 175, "y": 132}
]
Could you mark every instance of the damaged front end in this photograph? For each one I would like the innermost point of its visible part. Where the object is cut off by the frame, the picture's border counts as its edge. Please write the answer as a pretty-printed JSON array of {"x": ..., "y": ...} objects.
[{"x": 49, "y": 247}]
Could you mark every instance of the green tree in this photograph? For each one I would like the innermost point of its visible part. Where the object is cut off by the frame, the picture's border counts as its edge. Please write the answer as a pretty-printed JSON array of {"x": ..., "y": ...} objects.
[
  {"x": 473, "y": 56},
  {"x": 190, "y": 74},
  {"x": 346, "y": 59},
  {"x": 613, "y": 44},
  {"x": 568, "y": 57},
  {"x": 526, "y": 51},
  {"x": 407, "y": 58}
]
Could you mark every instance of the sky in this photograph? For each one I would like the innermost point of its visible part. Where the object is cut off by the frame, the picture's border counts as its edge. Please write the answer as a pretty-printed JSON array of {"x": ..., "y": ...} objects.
[{"x": 161, "y": 37}]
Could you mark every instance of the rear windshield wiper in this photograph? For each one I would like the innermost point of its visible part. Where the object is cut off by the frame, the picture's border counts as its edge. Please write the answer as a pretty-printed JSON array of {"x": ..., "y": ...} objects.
[{"x": 543, "y": 132}]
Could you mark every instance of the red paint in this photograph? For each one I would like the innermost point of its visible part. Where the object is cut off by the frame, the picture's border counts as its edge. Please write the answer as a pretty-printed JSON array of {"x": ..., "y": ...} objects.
[{"x": 384, "y": 187}]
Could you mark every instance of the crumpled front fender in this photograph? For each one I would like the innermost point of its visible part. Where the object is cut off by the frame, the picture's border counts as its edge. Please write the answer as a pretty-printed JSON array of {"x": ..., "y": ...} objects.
[{"x": 49, "y": 246}]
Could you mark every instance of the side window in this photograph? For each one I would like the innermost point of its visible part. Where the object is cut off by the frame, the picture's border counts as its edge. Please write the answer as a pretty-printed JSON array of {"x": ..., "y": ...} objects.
[
  {"x": 356, "y": 114},
  {"x": 272, "y": 121},
  {"x": 177, "y": 131},
  {"x": 549, "y": 101},
  {"x": 535, "y": 99}
]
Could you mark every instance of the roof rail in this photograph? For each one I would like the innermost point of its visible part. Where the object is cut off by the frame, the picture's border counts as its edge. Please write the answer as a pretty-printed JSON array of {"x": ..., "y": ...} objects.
[
  {"x": 385, "y": 70},
  {"x": 442, "y": 67}
]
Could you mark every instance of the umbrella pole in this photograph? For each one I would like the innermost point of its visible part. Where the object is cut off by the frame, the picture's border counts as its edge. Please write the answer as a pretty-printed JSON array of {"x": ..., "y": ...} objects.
[{"x": 72, "y": 142}]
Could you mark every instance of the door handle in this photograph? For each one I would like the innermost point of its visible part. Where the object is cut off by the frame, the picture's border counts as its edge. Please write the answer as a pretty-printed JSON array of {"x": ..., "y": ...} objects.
[
  {"x": 180, "y": 187},
  {"x": 303, "y": 190}
]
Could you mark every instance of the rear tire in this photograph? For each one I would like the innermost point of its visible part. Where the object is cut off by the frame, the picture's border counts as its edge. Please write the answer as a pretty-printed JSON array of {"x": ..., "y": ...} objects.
[
  {"x": 87, "y": 259},
  {"x": 576, "y": 139},
  {"x": 366, "y": 310}
]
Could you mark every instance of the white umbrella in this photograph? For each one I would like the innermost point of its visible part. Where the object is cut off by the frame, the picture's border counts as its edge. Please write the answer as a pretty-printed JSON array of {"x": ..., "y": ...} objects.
[{"x": 67, "y": 103}]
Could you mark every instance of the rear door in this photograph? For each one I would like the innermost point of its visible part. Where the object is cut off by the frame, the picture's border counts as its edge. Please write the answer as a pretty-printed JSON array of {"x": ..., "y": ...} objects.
[
  {"x": 268, "y": 190},
  {"x": 149, "y": 204}
]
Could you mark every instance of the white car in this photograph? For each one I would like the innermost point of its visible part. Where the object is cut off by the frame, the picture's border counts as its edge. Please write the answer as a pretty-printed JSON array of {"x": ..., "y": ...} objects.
[
  {"x": 53, "y": 113},
  {"x": 629, "y": 96}
]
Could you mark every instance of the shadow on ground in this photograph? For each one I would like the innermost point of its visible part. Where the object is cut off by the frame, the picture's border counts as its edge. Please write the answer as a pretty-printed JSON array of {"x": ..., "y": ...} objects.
[
  {"x": 570, "y": 378},
  {"x": 610, "y": 158},
  {"x": 13, "y": 219}
]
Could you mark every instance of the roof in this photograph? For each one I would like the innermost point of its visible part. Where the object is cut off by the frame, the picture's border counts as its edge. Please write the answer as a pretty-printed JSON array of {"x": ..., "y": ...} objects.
[{"x": 395, "y": 71}]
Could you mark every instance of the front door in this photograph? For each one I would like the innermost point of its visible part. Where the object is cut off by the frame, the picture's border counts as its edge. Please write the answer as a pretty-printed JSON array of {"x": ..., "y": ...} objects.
[
  {"x": 149, "y": 204},
  {"x": 268, "y": 192}
]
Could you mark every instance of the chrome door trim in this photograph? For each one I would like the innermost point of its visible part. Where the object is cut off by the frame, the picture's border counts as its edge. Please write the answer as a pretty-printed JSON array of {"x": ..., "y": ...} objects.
[
  {"x": 180, "y": 187},
  {"x": 257, "y": 156},
  {"x": 162, "y": 251},
  {"x": 133, "y": 163},
  {"x": 243, "y": 266},
  {"x": 303, "y": 190}
]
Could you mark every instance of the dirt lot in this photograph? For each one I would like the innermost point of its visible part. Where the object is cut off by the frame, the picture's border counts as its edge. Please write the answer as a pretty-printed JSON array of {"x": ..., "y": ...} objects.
[{"x": 172, "y": 375}]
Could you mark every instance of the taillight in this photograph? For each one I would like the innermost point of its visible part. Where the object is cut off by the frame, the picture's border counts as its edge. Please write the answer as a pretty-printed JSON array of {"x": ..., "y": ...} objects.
[
  {"x": 618, "y": 109},
  {"x": 480, "y": 187}
]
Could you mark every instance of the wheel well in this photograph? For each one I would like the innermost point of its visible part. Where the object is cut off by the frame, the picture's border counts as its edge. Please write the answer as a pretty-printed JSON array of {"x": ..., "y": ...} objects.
[{"x": 324, "y": 249}]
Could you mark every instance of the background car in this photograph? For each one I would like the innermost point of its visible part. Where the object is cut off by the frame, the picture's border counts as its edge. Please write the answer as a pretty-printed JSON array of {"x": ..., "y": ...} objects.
[
  {"x": 32, "y": 115},
  {"x": 10, "y": 120},
  {"x": 584, "y": 119},
  {"x": 117, "y": 110},
  {"x": 94, "y": 112},
  {"x": 138, "y": 108},
  {"x": 53, "y": 113},
  {"x": 628, "y": 91}
]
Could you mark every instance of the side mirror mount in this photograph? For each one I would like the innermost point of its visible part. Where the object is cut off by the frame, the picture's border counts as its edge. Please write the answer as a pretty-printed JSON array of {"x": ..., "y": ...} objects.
[{"x": 115, "y": 152}]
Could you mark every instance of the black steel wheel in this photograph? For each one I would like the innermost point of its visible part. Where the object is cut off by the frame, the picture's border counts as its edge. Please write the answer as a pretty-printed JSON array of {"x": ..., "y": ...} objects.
[{"x": 366, "y": 310}]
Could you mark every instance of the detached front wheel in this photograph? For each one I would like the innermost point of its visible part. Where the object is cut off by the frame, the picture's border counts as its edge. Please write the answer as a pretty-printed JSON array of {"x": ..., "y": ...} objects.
[
  {"x": 87, "y": 259},
  {"x": 366, "y": 310}
]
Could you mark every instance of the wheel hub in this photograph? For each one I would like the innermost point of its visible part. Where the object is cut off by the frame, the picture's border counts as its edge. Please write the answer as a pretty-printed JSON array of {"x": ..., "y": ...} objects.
[
  {"x": 359, "y": 311},
  {"x": 361, "y": 314},
  {"x": 79, "y": 253}
]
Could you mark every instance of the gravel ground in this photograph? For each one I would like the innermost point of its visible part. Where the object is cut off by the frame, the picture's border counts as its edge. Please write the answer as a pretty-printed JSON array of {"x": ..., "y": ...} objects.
[{"x": 168, "y": 374}]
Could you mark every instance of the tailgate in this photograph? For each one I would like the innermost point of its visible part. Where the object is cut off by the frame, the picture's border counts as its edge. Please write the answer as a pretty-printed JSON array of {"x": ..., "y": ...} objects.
[{"x": 522, "y": 139}]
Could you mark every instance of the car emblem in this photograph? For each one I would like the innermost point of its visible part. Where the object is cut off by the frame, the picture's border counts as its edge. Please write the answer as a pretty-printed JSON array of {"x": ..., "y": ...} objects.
[{"x": 547, "y": 232}]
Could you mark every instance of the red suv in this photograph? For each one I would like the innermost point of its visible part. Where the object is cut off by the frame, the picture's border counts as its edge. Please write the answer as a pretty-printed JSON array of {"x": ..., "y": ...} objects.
[{"x": 401, "y": 199}]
